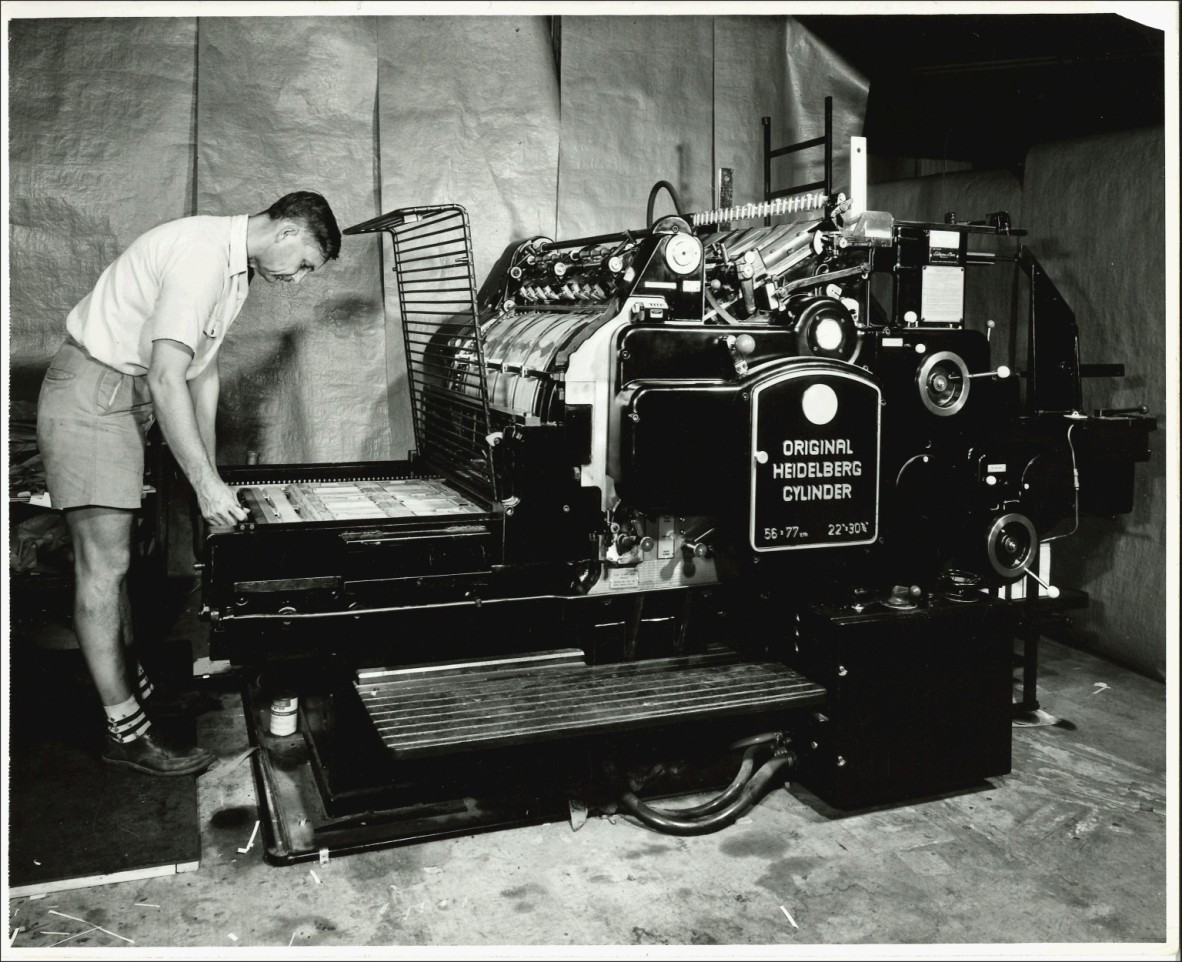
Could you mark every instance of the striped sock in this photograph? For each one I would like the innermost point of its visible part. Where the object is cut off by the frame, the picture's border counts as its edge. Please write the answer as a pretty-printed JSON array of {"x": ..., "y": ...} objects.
[
  {"x": 143, "y": 684},
  {"x": 126, "y": 721}
]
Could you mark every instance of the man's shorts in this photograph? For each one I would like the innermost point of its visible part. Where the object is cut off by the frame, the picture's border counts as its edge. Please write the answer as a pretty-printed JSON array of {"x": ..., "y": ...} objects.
[{"x": 92, "y": 421}]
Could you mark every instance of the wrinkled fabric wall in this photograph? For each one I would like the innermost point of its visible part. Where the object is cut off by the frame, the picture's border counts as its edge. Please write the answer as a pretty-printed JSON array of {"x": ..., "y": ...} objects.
[
  {"x": 648, "y": 99},
  {"x": 637, "y": 96},
  {"x": 814, "y": 72},
  {"x": 468, "y": 114},
  {"x": 100, "y": 150},
  {"x": 749, "y": 84},
  {"x": 287, "y": 104},
  {"x": 1097, "y": 225},
  {"x": 123, "y": 123},
  {"x": 1082, "y": 203}
]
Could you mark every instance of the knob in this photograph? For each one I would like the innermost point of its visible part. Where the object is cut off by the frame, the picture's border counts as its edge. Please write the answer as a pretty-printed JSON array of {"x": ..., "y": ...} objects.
[
  {"x": 745, "y": 344},
  {"x": 903, "y": 596}
]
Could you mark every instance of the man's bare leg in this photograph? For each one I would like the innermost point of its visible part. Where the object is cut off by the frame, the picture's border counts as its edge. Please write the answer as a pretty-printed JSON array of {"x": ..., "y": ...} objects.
[
  {"x": 102, "y": 622},
  {"x": 137, "y": 678},
  {"x": 102, "y": 554}
]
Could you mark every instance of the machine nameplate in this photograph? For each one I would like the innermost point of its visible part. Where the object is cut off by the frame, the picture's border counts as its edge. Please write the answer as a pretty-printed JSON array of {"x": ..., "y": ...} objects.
[{"x": 814, "y": 476}]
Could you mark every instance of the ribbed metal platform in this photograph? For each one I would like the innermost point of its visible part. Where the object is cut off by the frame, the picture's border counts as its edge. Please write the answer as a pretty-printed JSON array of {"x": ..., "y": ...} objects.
[{"x": 479, "y": 705}]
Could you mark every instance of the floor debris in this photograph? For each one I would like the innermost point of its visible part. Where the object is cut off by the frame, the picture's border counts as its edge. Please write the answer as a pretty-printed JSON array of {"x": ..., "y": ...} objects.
[
  {"x": 1100, "y": 686},
  {"x": 148, "y": 905},
  {"x": 243, "y": 851},
  {"x": 238, "y": 760},
  {"x": 315, "y": 877},
  {"x": 74, "y": 918},
  {"x": 790, "y": 918},
  {"x": 93, "y": 928}
]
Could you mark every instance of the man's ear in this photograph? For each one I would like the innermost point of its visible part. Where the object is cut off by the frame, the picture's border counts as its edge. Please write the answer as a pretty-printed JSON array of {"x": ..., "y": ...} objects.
[{"x": 287, "y": 228}]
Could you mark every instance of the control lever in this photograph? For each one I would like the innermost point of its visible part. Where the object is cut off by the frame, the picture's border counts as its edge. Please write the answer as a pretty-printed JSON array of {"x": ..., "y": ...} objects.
[
  {"x": 696, "y": 546},
  {"x": 740, "y": 348},
  {"x": 1001, "y": 373},
  {"x": 1052, "y": 591}
]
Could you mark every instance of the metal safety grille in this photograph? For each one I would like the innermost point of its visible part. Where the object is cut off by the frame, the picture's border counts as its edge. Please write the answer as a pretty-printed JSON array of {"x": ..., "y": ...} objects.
[
  {"x": 496, "y": 703},
  {"x": 436, "y": 288}
]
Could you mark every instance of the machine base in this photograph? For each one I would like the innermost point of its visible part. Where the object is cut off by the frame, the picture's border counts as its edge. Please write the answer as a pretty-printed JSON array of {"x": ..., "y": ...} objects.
[
  {"x": 919, "y": 700},
  {"x": 659, "y": 727}
]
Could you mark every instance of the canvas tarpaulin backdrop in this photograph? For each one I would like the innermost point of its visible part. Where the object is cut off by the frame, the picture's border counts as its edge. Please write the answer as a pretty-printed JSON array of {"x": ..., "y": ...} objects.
[
  {"x": 814, "y": 72},
  {"x": 749, "y": 84},
  {"x": 100, "y": 150},
  {"x": 637, "y": 104},
  {"x": 1103, "y": 246},
  {"x": 287, "y": 104},
  {"x": 468, "y": 111},
  {"x": 120, "y": 124}
]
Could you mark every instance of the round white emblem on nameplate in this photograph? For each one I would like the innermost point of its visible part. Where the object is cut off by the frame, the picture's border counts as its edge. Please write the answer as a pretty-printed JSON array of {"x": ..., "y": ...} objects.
[{"x": 819, "y": 403}]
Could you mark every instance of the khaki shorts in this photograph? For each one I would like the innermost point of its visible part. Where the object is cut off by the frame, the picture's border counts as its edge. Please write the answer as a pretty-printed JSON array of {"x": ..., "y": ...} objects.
[{"x": 92, "y": 422}]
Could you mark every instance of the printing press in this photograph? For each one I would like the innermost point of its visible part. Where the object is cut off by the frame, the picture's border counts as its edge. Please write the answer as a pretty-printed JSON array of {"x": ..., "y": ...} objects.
[{"x": 733, "y": 498}]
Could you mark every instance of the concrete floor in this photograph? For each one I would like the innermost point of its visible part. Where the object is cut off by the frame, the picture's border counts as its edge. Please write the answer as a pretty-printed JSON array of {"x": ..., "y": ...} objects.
[{"x": 1069, "y": 848}]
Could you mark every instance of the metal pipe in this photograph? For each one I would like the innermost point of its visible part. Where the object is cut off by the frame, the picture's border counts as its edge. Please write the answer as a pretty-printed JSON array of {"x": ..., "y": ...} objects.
[
  {"x": 728, "y": 794},
  {"x": 676, "y": 825}
]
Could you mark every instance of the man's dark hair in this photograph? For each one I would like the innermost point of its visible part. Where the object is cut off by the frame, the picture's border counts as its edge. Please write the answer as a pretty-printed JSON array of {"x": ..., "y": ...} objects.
[{"x": 312, "y": 211}]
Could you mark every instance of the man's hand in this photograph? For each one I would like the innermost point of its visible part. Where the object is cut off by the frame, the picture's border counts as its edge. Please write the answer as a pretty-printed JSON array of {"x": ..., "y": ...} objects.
[
  {"x": 218, "y": 504},
  {"x": 178, "y": 419}
]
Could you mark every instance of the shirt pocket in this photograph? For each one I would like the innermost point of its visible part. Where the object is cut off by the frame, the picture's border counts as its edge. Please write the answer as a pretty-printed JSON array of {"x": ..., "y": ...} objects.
[
  {"x": 213, "y": 324},
  {"x": 59, "y": 374}
]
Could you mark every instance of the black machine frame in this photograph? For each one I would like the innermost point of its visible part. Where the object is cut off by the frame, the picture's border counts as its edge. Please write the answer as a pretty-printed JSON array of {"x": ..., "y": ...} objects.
[{"x": 642, "y": 438}]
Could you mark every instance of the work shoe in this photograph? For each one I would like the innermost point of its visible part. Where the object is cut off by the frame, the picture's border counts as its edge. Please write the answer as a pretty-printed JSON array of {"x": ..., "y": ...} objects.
[{"x": 154, "y": 753}]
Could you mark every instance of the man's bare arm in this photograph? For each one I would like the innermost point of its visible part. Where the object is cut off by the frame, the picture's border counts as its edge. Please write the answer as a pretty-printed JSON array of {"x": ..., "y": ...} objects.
[
  {"x": 204, "y": 389},
  {"x": 178, "y": 419}
]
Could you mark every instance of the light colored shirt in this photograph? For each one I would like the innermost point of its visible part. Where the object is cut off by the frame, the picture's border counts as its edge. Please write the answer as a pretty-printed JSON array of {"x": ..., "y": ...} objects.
[{"x": 184, "y": 281}]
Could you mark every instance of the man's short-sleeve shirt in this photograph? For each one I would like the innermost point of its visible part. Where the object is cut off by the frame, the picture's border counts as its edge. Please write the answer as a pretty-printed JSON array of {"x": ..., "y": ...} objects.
[{"x": 184, "y": 281}]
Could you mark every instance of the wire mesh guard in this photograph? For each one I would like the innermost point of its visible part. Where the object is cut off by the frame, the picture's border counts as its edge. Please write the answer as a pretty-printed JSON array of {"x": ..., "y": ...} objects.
[{"x": 436, "y": 290}]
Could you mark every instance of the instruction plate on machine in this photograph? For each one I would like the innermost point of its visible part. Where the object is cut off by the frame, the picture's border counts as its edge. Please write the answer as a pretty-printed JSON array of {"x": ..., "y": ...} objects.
[{"x": 943, "y": 295}]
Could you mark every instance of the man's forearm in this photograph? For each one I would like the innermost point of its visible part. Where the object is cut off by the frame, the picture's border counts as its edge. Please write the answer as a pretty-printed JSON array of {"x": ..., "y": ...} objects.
[
  {"x": 204, "y": 392},
  {"x": 179, "y": 423}
]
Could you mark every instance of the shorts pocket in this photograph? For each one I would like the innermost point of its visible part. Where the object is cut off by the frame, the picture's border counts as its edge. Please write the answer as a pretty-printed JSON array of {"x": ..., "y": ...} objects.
[{"x": 107, "y": 390}]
